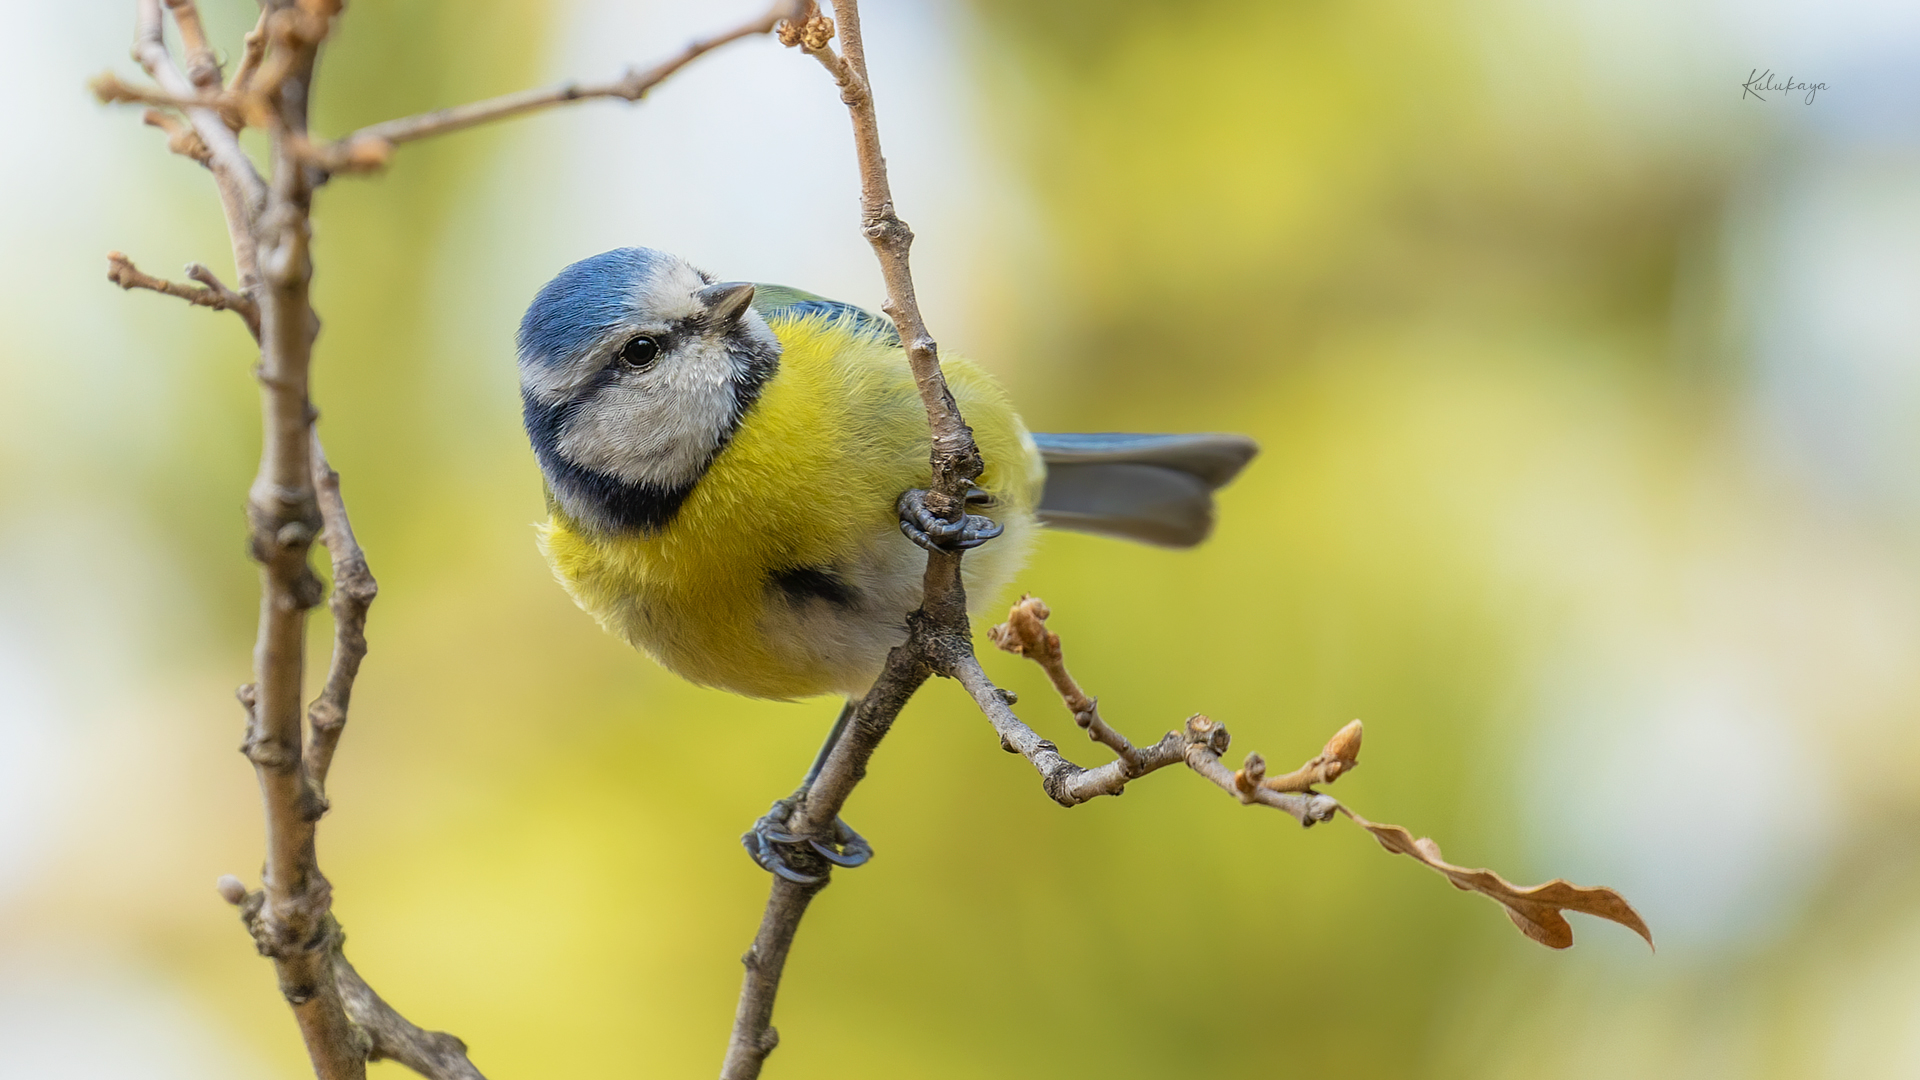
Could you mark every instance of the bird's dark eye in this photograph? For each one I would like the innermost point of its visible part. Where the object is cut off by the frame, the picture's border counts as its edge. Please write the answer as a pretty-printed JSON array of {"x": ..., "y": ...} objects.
[{"x": 639, "y": 352}]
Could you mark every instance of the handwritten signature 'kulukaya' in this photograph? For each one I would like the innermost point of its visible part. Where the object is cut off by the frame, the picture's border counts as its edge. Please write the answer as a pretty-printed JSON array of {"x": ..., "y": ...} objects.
[{"x": 1763, "y": 80}]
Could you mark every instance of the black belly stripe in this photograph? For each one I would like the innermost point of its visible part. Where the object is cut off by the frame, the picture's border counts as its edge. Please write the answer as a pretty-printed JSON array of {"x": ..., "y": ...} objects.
[{"x": 803, "y": 583}]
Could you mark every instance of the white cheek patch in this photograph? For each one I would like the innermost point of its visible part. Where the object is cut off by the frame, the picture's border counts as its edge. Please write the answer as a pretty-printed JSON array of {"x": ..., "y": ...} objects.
[{"x": 661, "y": 426}]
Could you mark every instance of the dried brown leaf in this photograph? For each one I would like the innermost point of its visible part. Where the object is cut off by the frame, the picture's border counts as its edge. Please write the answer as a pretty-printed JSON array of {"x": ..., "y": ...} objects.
[{"x": 1535, "y": 910}]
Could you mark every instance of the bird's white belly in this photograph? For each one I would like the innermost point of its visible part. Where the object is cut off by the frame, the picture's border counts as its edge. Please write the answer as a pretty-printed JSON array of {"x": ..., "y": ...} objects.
[{"x": 848, "y": 641}]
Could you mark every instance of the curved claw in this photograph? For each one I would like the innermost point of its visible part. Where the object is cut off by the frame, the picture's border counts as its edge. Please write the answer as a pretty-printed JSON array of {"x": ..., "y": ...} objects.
[
  {"x": 769, "y": 858},
  {"x": 932, "y": 532},
  {"x": 847, "y": 848}
]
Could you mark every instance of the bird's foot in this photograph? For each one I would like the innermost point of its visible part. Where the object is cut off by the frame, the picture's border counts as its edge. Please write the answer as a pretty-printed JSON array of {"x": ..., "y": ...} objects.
[
  {"x": 936, "y": 533},
  {"x": 774, "y": 848}
]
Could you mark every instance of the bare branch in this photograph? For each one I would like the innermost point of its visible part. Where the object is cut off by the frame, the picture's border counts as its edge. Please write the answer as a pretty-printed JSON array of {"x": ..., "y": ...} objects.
[
  {"x": 1198, "y": 746},
  {"x": 203, "y": 67},
  {"x": 242, "y": 191},
  {"x": 956, "y": 460},
  {"x": 292, "y": 921},
  {"x": 381, "y": 1033},
  {"x": 253, "y": 51},
  {"x": 1025, "y": 634},
  {"x": 181, "y": 138},
  {"x": 211, "y": 293},
  {"x": 111, "y": 89},
  {"x": 371, "y": 147},
  {"x": 435, "y": 1055},
  {"x": 938, "y": 640},
  {"x": 353, "y": 593},
  {"x": 1535, "y": 910}
]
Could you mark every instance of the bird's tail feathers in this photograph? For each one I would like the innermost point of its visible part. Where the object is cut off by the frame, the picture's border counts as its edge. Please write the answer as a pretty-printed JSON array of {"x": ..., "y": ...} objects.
[{"x": 1157, "y": 489}]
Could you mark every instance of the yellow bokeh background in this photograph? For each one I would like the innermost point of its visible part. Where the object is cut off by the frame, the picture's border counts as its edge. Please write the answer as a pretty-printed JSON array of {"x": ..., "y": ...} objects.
[{"x": 1587, "y": 392}]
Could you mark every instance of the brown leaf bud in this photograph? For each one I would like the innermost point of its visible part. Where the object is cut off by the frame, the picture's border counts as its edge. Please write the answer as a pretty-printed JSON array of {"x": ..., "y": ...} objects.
[
  {"x": 1345, "y": 744},
  {"x": 817, "y": 32}
]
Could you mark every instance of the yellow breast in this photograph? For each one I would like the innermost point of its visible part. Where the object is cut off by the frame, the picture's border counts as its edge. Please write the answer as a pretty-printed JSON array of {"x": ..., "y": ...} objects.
[{"x": 808, "y": 481}]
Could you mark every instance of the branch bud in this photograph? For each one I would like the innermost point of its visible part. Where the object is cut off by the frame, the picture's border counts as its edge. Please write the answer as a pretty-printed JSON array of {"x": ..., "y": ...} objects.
[
  {"x": 1249, "y": 775},
  {"x": 231, "y": 890},
  {"x": 1202, "y": 729}
]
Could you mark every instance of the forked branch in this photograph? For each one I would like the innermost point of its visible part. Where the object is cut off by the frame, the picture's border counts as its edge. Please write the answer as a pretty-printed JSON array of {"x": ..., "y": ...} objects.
[
  {"x": 211, "y": 292},
  {"x": 295, "y": 498},
  {"x": 1536, "y": 910}
]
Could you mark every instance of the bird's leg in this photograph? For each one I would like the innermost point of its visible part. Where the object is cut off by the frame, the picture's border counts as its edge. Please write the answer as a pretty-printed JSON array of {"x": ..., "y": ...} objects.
[
  {"x": 765, "y": 841},
  {"x": 936, "y": 533}
]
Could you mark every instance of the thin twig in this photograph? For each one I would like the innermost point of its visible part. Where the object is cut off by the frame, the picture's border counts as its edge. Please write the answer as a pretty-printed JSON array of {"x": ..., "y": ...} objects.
[
  {"x": 242, "y": 190},
  {"x": 938, "y": 639},
  {"x": 1025, "y": 633},
  {"x": 203, "y": 67},
  {"x": 111, "y": 89},
  {"x": 372, "y": 146},
  {"x": 211, "y": 292},
  {"x": 181, "y": 138},
  {"x": 1198, "y": 746},
  {"x": 253, "y": 50},
  {"x": 353, "y": 591}
]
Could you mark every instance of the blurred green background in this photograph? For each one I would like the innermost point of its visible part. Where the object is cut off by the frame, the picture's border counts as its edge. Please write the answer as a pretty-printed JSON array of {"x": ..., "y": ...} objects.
[{"x": 1588, "y": 392}]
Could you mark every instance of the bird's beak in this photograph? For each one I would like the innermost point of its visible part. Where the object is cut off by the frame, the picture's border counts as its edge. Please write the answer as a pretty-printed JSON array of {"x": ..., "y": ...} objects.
[{"x": 726, "y": 300}]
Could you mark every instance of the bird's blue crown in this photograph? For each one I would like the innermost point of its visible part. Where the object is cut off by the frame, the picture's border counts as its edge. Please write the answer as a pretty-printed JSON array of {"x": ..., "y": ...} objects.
[{"x": 583, "y": 302}]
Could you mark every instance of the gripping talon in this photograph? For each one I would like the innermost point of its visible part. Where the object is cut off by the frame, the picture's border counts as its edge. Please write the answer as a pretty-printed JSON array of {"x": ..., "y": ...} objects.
[
  {"x": 849, "y": 848},
  {"x": 765, "y": 841},
  {"x": 935, "y": 533},
  {"x": 795, "y": 876}
]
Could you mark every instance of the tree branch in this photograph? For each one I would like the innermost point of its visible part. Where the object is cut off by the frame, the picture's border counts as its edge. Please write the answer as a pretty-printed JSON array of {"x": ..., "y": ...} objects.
[
  {"x": 1536, "y": 910},
  {"x": 242, "y": 191},
  {"x": 938, "y": 640},
  {"x": 211, "y": 293},
  {"x": 392, "y": 1037},
  {"x": 372, "y": 146},
  {"x": 295, "y": 497},
  {"x": 295, "y": 928},
  {"x": 254, "y": 49},
  {"x": 353, "y": 593},
  {"x": 181, "y": 138},
  {"x": 203, "y": 67}
]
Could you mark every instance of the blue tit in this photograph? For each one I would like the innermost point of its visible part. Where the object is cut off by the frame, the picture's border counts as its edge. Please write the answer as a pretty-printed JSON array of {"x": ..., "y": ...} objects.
[{"x": 724, "y": 466}]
